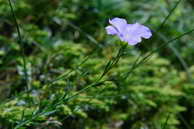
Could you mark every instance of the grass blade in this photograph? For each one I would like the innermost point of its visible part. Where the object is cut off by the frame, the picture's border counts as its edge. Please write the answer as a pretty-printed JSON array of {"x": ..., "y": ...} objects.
[{"x": 21, "y": 45}]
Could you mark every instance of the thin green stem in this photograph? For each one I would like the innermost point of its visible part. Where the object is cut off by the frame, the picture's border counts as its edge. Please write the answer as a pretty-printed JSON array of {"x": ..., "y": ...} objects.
[
  {"x": 169, "y": 14},
  {"x": 166, "y": 122},
  {"x": 146, "y": 57},
  {"x": 21, "y": 45},
  {"x": 108, "y": 67}
]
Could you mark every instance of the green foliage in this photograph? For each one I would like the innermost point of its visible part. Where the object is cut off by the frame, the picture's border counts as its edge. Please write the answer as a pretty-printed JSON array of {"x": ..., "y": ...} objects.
[
  {"x": 67, "y": 50},
  {"x": 144, "y": 99}
]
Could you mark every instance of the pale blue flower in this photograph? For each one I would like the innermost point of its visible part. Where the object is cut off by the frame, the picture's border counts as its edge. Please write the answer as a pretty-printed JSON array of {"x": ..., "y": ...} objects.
[{"x": 131, "y": 33}]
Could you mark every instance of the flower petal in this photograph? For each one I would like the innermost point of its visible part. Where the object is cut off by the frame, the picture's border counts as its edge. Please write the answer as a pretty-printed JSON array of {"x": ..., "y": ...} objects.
[
  {"x": 141, "y": 30},
  {"x": 130, "y": 35},
  {"x": 118, "y": 23},
  {"x": 111, "y": 30},
  {"x": 134, "y": 40}
]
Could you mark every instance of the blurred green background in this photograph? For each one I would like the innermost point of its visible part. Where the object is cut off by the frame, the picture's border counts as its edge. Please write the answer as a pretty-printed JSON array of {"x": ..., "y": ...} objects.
[{"x": 66, "y": 40}]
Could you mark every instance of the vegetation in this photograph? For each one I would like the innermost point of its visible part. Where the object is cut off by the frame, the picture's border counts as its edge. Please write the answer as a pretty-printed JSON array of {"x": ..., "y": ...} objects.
[{"x": 62, "y": 71}]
